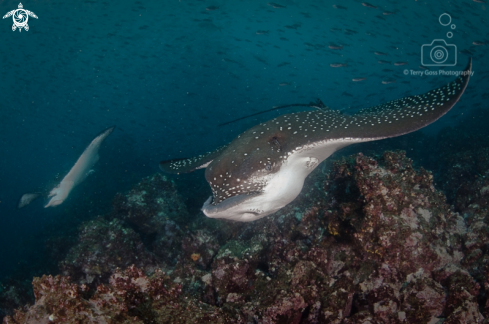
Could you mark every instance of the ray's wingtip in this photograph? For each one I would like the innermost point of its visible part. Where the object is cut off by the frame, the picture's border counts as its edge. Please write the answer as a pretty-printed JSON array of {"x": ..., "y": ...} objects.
[{"x": 106, "y": 131}]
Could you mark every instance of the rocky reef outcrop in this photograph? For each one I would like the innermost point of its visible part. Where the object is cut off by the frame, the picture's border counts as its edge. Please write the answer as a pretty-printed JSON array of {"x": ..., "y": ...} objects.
[{"x": 371, "y": 241}]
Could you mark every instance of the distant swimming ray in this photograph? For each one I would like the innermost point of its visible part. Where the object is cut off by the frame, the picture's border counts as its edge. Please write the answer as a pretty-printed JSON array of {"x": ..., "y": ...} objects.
[
  {"x": 78, "y": 173},
  {"x": 263, "y": 169}
]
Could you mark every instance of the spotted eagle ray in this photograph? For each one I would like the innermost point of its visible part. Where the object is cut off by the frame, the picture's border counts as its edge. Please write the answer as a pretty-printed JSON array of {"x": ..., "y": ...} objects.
[
  {"x": 263, "y": 169},
  {"x": 75, "y": 176}
]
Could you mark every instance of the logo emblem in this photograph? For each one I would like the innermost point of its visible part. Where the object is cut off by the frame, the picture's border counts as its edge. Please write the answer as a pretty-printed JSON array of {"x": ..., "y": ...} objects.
[{"x": 20, "y": 17}]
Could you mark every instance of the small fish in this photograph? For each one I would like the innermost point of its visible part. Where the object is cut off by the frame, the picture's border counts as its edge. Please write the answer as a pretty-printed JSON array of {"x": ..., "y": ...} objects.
[
  {"x": 388, "y": 81},
  {"x": 336, "y": 65},
  {"x": 380, "y": 53},
  {"x": 400, "y": 63},
  {"x": 283, "y": 84},
  {"x": 479, "y": 1},
  {"x": 294, "y": 26},
  {"x": 230, "y": 61},
  {"x": 388, "y": 13},
  {"x": 478, "y": 43},
  {"x": 422, "y": 67},
  {"x": 260, "y": 59},
  {"x": 211, "y": 8},
  {"x": 336, "y": 47},
  {"x": 358, "y": 79},
  {"x": 339, "y": 7},
  {"x": 368, "y": 5},
  {"x": 262, "y": 32},
  {"x": 383, "y": 62},
  {"x": 275, "y": 5}
]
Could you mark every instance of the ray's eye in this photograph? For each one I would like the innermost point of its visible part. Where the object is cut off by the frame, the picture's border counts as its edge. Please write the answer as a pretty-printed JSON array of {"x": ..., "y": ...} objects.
[{"x": 268, "y": 167}]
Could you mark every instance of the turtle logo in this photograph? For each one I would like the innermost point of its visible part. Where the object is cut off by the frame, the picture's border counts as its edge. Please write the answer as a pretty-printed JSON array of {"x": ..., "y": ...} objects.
[{"x": 20, "y": 17}]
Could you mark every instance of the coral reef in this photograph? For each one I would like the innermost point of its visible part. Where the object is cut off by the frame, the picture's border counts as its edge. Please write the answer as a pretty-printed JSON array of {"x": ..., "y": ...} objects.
[
  {"x": 372, "y": 241},
  {"x": 14, "y": 294},
  {"x": 150, "y": 204},
  {"x": 102, "y": 247},
  {"x": 201, "y": 246},
  {"x": 459, "y": 155},
  {"x": 156, "y": 211},
  {"x": 473, "y": 202},
  {"x": 130, "y": 297}
]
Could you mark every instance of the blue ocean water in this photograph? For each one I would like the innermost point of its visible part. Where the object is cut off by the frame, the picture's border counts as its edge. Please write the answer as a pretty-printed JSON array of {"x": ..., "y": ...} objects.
[{"x": 167, "y": 73}]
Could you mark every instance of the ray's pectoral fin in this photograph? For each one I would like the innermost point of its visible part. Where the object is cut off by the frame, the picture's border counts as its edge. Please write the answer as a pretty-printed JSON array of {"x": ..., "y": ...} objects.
[
  {"x": 60, "y": 193},
  {"x": 406, "y": 115},
  {"x": 177, "y": 166}
]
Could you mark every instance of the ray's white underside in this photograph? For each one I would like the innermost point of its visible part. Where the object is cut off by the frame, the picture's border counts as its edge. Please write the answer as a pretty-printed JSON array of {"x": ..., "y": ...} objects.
[
  {"x": 78, "y": 172},
  {"x": 284, "y": 186}
]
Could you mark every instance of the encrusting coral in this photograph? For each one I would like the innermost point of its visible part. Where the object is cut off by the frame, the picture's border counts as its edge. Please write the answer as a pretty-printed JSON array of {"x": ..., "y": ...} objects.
[
  {"x": 376, "y": 244},
  {"x": 104, "y": 246}
]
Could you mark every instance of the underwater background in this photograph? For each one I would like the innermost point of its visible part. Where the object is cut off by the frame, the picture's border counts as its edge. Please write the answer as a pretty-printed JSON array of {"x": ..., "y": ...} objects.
[{"x": 168, "y": 73}]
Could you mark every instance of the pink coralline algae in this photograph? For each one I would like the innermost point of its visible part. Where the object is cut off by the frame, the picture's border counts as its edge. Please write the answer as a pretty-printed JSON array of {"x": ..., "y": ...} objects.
[
  {"x": 129, "y": 297},
  {"x": 202, "y": 244},
  {"x": 150, "y": 204},
  {"x": 372, "y": 241},
  {"x": 104, "y": 246},
  {"x": 154, "y": 208}
]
